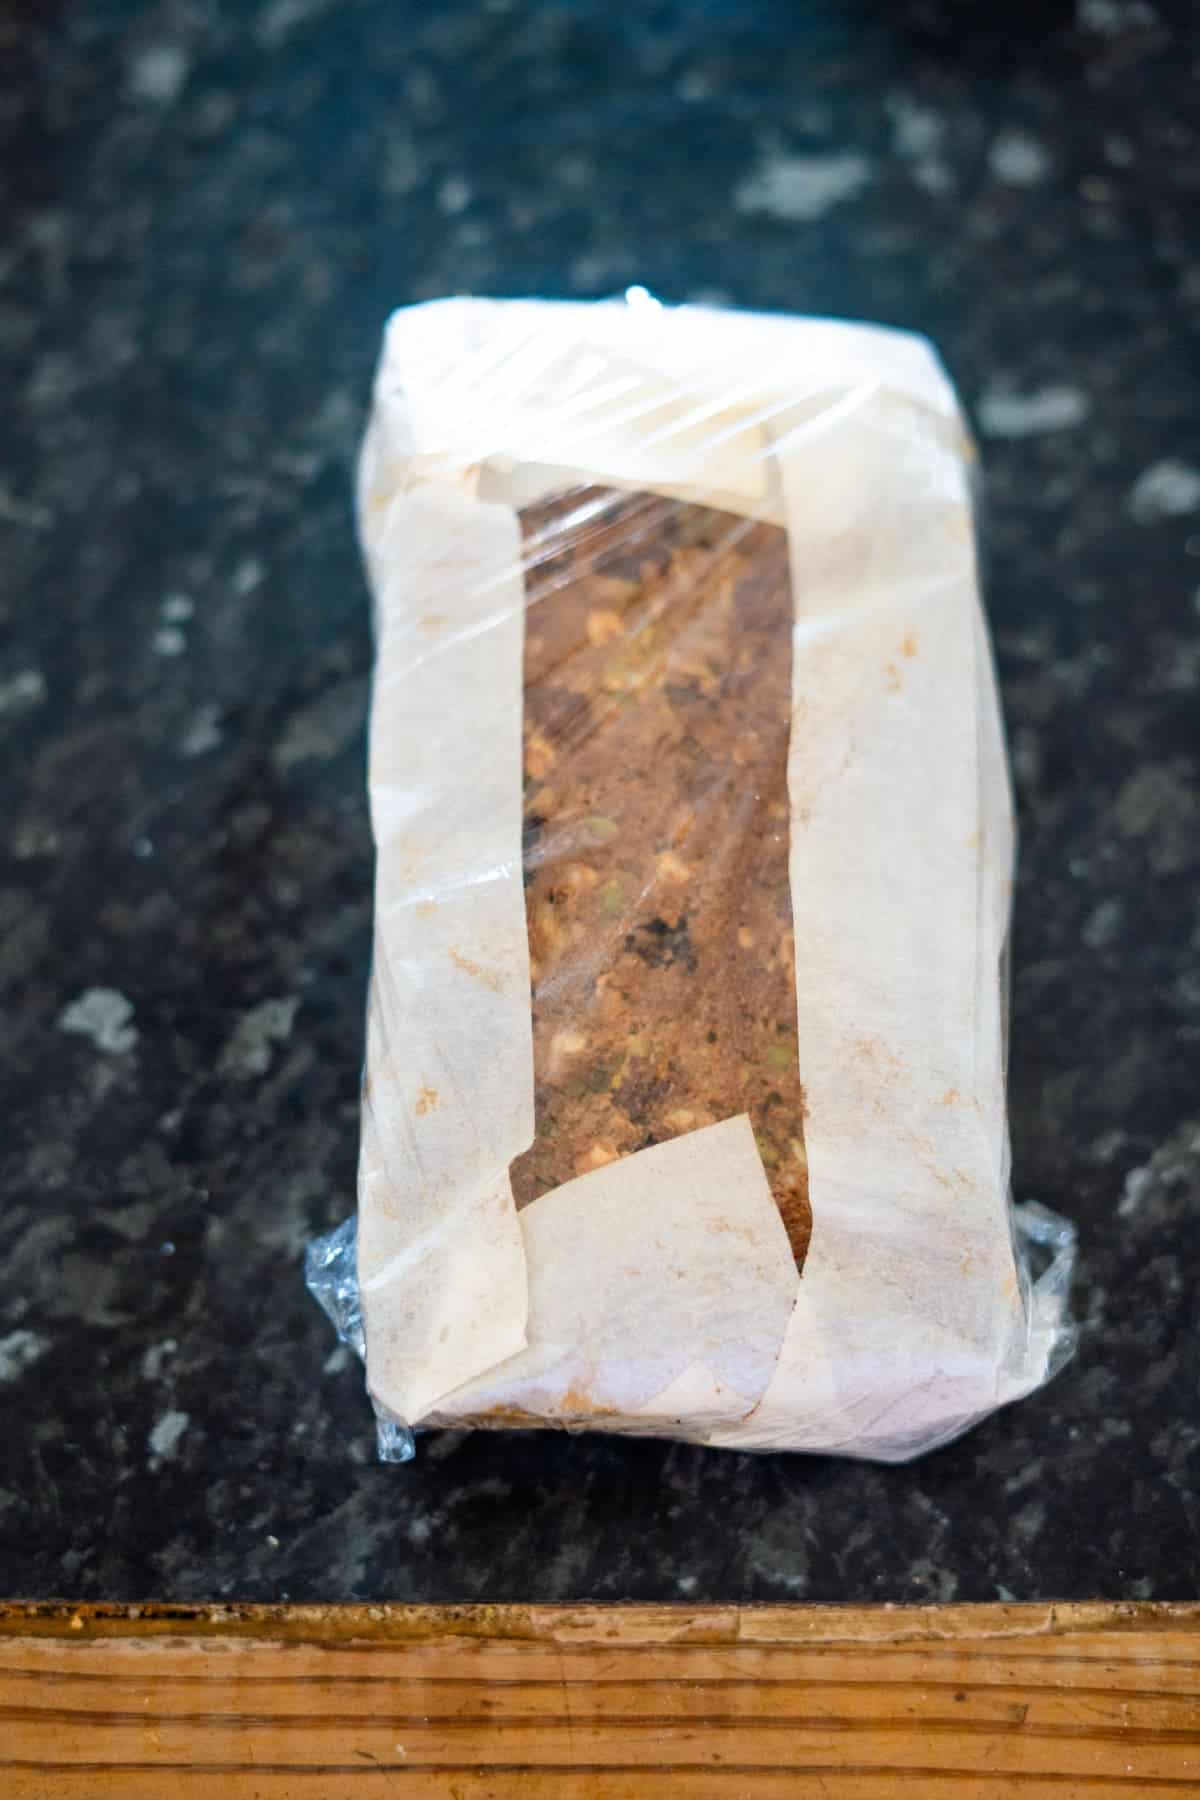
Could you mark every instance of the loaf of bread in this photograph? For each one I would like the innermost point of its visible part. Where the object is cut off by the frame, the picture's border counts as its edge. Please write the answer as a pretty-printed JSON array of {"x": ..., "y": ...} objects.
[
  {"x": 684, "y": 1099},
  {"x": 656, "y": 719}
]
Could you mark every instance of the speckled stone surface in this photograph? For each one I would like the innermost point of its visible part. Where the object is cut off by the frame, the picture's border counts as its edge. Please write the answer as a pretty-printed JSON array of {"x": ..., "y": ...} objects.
[{"x": 209, "y": 209}]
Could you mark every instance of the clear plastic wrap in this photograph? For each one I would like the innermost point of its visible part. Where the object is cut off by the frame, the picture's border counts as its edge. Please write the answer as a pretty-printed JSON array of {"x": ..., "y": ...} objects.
[{"x": 683, "y": 1110}]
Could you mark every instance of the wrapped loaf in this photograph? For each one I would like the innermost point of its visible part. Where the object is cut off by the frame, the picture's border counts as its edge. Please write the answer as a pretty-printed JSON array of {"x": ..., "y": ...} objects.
[{"x": 684, "y": 1108}]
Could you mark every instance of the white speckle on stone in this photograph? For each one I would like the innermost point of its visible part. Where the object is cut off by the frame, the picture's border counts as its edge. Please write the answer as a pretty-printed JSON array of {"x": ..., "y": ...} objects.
[
  {"x": 1119, "y": 151},
  {"x": 594, "y": 269},
  {"x": 169, "y": 641},
  {"x": 1159, "y": 803},
  {"x": 420, "y": 1530},
  {"x": 338, "y": 1359},
  {"x": 247, "y": 576},
  {"x": 423, "y": 93},
  {"x": 918, "y": 135},
  {"x": 143, "y": 848},
  {"x": 1187, "y": 986},
  {"x": 1018, "y": 159},
  {"x": 164, "y": 1439},
  {"x": 694, "y": 86},
  {"x": 22, "y": 512},
  {"x": 710, "y": 296},
  {"x": 280, "y": 18},
  {"x": 1111, "y": 18},
  {"x": 18, "y": 1352},
  {"x": 686, "y": 1584},
  {"x": 1004, "y": 413},
  {"x": 1108, "y": 1144},
  {"x": 177, "y": 609},
  {"x": 156, "y": 1356},
  {"x": 272, "y": 1540},
  {"x": 103, "y": 1015},
  {"x": 157, "y": 73},
  {"x": 22, "y": 692},
  {"x": 1103, "y": 925},
  {"x": 1180, "y": 669},
  {"x": 1134, "y": 1192},
  {"x": 402, "y": 169},
  {"x": 916, "y": 131},
  {"x": 934, "y": 175},
  {"x": 34, "y": 838},
  {"x": 202, "y": 734},
  {"x": 454, "y": 194},
  {"x": 56, "y": 378},
  {"x": 1029, "y": 1521},
  {"x": 324, "y": 727},
  {"x": 1026, "y": 756},
  {"x": 251, "y": 1047},
  {"x": 1167, "y": 490},
  {"x": 803, "y": 188}
]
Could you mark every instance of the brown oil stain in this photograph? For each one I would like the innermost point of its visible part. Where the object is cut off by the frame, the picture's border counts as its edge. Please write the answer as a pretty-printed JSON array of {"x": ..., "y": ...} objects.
[
  {"x": 427, "y": 1100},
  {"x": 951, "y": 1097},
  {"x": 432, "y": 623},
  {"x": 874, "y": 1053},
  {"x": 952, "y": 1181},
  {"x": 578, "y": 1402},
  {"x": 891, "y": 673},
  {"x": 425, "y": 909},
  {"x": 491, "y": 978},
  {"x": 410, "y": 854},
  {"x": 727, "y": 1228},
  {"x": 575, "y": 1403}
]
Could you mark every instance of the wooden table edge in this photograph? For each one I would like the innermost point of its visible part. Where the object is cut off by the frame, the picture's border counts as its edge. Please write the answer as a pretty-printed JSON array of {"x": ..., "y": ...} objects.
[
  {"x": 598, "y": 1622},
  {"x": 1096, "y": 1700}
]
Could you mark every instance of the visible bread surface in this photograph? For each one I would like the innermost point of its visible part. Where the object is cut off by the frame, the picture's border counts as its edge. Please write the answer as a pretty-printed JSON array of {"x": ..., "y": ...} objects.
[{"x": 656, "y": 726}]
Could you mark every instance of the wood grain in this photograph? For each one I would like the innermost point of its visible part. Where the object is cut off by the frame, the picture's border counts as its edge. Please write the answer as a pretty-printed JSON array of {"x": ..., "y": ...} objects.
[{"x": 621, "y": 1703}]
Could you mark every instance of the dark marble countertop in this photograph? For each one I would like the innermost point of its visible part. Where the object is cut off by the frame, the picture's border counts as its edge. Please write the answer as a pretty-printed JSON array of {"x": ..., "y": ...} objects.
[{"x": 209, "y": 209}]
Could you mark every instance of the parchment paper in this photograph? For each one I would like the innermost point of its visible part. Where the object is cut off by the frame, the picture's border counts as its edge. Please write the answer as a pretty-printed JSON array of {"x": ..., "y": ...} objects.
[{"x": 659, "y": 1293}]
